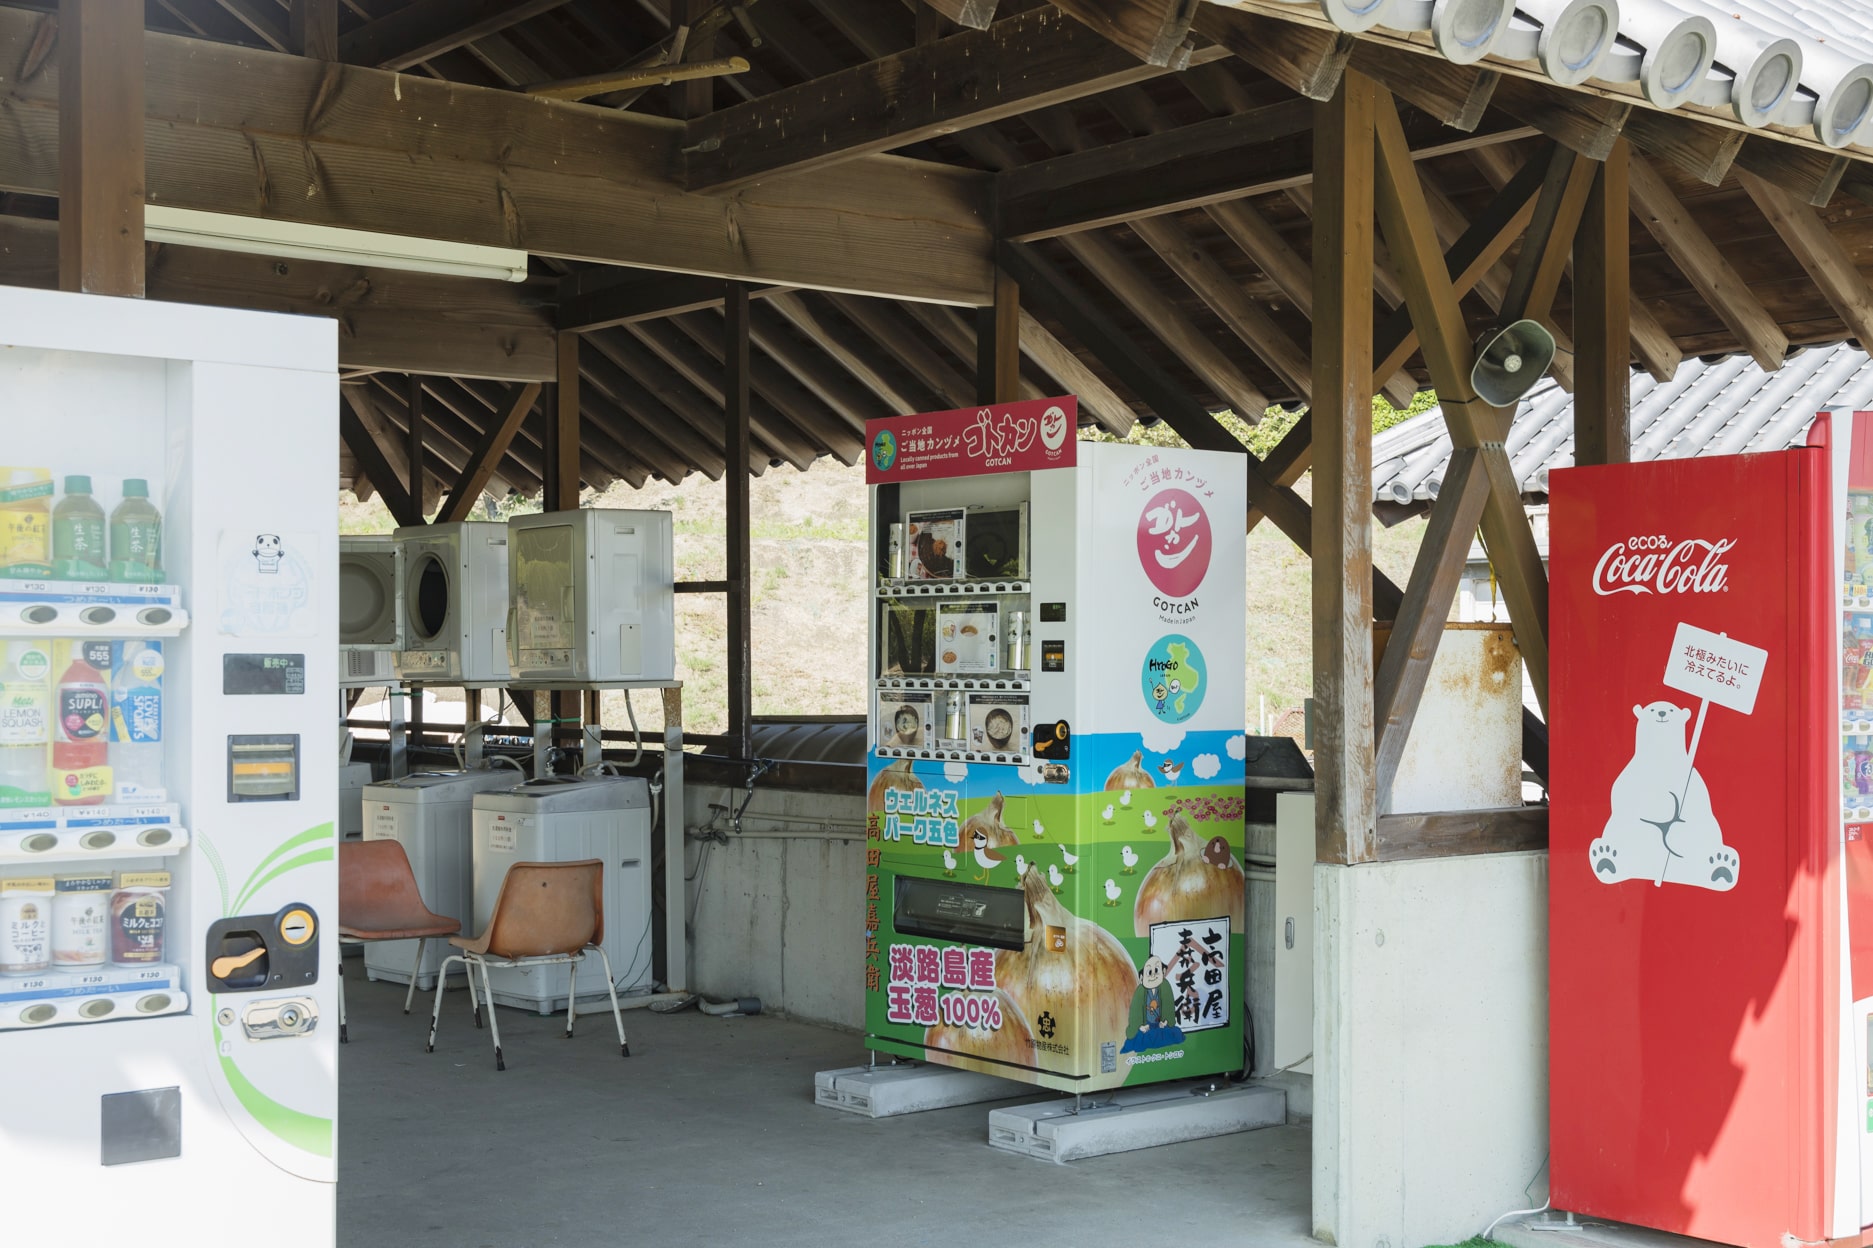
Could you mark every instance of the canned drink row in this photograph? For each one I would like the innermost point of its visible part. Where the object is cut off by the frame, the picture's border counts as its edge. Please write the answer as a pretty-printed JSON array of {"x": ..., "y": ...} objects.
[{"x": 88, "y": 920}]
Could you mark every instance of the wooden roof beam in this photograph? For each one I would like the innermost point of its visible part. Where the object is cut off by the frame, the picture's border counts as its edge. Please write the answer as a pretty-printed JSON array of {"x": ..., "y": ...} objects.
[
  {"x": 599, "y": 451},
  {"x": 672, "y": 418},
  {"x": 428, "y": 28},
  {"x": 372, "y": 455},
  {"x": 1306, "y": 60},
  {"x": 851, "y": 356},
  {"x": 598, "y": 298},
  {"x": 1699, "y": 259},
  {"x": 886, "y": 326},
  {"x": 495, "y": 439},
  {"x": 1025, "y": 62},
  {"x": 228, "y": 131},
  {"x": 448, "y": 441},
  {"x": 1151, "y": 30},
  {"x": 520, "y": 459},
  {"x": 702, "y": 332},
  {"x": 784, "y": 440},
  {"x": 829, "y": 383},
  {"x": 698, "y": 408},
  {"x": 1818, "y": 252}
]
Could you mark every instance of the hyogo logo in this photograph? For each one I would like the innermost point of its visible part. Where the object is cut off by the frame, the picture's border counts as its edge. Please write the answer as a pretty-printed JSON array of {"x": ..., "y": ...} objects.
[
  {"x": 1173, "y": 678},
  {"x": 1663, "y": 565},
  {"x": 1174, "y": 542},
  {"x": 884, "y": 450}
]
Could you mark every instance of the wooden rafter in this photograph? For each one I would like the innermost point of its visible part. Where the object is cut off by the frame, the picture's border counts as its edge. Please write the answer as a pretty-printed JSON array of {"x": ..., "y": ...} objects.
[
  {"x": 777, "y": 436},
  {"x": 256, "y": 133},
  {"x": 659, "y": 409},
  {"x": 1457, "y": 95},
  {"x": 636, "y": 79},
  {"x": 487, "y": 454},
  {"x": 1151, "y": 30},
  {"x": 1288, "y": 462},
  {"x": 1812, "y": 175},
  {"x": 1304, "y": 59},
  {"x": 1818, "y": 252},
  {"x": 838, "y": 343},
  {"x": 373, "y": 457},
  {"x": 1046, "y": 353},
  {"x": 894, "y": 334},
  {"x": 428, "y": 28},
  {"x": 598, "y": 298},
  {"x": 1028, "y": 61},
  {"x": 1699, "y": 259},
  {"x": 312, "y": 28},
  {"x": 820, "y": 419}
]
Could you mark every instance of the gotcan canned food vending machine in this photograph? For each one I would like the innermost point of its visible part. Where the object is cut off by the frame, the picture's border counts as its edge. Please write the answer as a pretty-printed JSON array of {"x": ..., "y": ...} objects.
[
  {"x": 168, "y": 647},
  {"x": 1054, "y": 889}
]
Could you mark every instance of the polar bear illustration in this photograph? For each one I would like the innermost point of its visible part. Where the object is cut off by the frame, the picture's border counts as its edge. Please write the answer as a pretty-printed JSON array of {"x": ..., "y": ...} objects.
[{"x": 1662, "y": 829}]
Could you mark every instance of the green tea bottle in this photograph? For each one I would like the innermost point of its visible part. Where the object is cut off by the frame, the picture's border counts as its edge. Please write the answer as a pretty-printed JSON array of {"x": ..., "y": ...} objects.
[
  {"x": 137, "y": 536},
  {"x": 78, "y": 534}
]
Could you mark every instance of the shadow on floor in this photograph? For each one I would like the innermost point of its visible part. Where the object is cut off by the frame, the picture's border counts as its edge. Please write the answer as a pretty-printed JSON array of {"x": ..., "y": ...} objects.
[{"x": 708, "y": 1134}]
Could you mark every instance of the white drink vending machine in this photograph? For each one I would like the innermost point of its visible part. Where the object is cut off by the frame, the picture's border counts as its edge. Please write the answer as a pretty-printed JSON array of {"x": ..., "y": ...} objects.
[{"x": 168, "y": 873}]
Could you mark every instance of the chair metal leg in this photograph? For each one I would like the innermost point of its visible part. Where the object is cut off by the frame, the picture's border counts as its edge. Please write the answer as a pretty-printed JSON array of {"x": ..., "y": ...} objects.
[
  {"x": 617, "y": 1015},
  {"x": 415, "y": 968},
  {"x": 473, "y": 999},
  {"x": 494, "y": 1026},
  {"x": 572, "y": 993},
  {"x": 435, "y": 1014},
  {"x": 344, "y": 1036}
]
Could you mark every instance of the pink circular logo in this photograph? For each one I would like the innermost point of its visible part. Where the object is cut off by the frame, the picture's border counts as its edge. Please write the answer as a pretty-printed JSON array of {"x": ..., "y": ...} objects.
[{"x": 1174, "y": 542}]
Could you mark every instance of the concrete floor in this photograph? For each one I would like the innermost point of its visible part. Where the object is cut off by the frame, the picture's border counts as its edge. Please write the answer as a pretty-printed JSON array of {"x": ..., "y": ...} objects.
[{"x": 708, "y": 1134}]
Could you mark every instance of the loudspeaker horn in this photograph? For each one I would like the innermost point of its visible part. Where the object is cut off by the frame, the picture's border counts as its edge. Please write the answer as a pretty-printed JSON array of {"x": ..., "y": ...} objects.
[{"x": 1510, "y": 361}]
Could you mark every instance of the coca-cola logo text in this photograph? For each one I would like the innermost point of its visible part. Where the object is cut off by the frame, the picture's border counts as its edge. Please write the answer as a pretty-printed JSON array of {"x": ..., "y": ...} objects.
[{"x": 1660, "y": 565}]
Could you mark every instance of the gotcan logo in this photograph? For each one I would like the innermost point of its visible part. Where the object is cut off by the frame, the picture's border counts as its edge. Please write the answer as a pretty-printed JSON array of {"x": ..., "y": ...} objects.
[
  {"x": 1174, "y": 542},
  {"x": 1663, "y": 565}
]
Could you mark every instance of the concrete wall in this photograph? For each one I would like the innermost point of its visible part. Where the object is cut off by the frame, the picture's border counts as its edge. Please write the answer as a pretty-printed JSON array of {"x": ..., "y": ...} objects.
[
  {"x": 1430, "y": 1046},
  {"x": 778, "y": 912}
]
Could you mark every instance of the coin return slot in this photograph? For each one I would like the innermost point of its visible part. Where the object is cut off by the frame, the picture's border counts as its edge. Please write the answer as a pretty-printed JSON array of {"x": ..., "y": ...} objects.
[{"x": 98, "y": 615}]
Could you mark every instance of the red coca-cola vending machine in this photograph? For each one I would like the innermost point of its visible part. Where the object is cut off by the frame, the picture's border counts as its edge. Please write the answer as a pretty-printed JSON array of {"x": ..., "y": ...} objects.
[{"x": 1711, "y": 887}]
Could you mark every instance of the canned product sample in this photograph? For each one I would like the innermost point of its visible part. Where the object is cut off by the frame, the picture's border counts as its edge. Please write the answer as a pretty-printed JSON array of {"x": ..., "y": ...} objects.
[
  {"x": 25, "y": 926},
  {"x": 138, "y": 909},
  {"x": 81, "y": 913}
]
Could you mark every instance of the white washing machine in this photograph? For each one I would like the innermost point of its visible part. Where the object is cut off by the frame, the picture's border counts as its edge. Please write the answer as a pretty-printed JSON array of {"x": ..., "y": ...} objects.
[
  {"x": 564, "y": 819},
  {"x": 432, "y": 816},
  {"x": 454, "y": 603},
  {"x": 353, "y": 779},
  {"x": 592, "y": 595},
  {"x": 370, "y": 610}
]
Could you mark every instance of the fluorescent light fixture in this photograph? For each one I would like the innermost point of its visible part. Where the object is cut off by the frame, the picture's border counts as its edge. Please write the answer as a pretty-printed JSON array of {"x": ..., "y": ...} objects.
[{"x": 259, "y": 236}]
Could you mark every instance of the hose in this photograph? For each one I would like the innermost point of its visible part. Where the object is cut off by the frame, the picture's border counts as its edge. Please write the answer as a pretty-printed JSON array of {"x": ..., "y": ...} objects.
[
  {"x": 502, "y": 758},
  {"x": 637, "y": 735},
  {"x": 741, "y": 1007}
]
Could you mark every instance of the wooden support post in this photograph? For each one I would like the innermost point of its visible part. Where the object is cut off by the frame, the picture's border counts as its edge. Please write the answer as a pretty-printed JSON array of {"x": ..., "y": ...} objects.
[
  {"x": 562, "y": 469},
  {"x": 100, "y": 44},
  {"x": 998, "y": 344},
  {"x": 740, "y": 557},
  {"x": 1602, "y": 326},
  {"x": 696, "y": 97},
  {"x": 1346, "y": 810},
  {"x": 313, "y": 29},
  {"x": 419, "y": 464}
]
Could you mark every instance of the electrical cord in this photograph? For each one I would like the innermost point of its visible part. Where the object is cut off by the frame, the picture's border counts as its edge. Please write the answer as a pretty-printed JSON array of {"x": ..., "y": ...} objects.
[
  {"x": 1524, "y": 1213},
  {"x": 632, "y": 969}
]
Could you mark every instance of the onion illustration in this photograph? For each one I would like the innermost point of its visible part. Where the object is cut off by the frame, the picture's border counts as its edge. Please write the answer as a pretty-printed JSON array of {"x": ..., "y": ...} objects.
[
  {"x": 1131, "y": 775},
  {"x": 1189, "y": 882},
  {"x": 897, "y": 776},
  {"x": 1012, "y": 1043},
  {"x": 988, "y": 821},
  {"x": 1072, "y": 971}
]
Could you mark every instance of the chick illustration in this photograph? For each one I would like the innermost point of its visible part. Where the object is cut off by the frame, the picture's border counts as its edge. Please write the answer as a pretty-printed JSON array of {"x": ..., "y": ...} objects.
[
  {"x": 1130, "y": 859},
  {"x": 986, "y": 858},
  {"x": 1151, "y": 821},
  {"x": 1054, "y": 877},
  {"x": 949, "y": 863},
  {"x": 1040, "y": 830},
  {"x": 1106, "y": 814},
  {"x": 1125, "y": 798},
  {"x": 1113, "y": 892},
  {"x": 1068, "y": 858},
  {"x": 1021, "y": 866}
]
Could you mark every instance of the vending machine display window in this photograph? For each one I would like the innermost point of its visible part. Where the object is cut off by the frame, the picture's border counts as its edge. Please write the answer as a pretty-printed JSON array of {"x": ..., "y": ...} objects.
[
  {"x": 908, "y": 638},
  {"x": 906, "y": 720},
  {"x": 968, "y": 637},
  {"x": 935, "y": 540},
  {"x": 998, "y": 544}
]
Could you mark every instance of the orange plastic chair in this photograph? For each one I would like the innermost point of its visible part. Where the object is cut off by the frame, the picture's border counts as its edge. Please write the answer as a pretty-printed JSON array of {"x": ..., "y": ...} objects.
[
  {"x": 378, "y": 900},
  {"x": 546, "y": 913}
]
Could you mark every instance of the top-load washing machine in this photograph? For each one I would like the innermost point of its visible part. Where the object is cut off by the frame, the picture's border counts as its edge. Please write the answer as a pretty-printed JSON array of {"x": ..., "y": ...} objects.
[
  {"x": 454, "y": 603},
  {"x": 370, "y": 610},
  {"x": 592, "y": 595},
  {"x": 565, "y": 819},
  {"x": 431, "y": 815}
]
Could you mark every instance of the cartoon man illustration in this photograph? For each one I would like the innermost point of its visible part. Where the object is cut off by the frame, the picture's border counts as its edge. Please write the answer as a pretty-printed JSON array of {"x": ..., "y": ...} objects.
[
  {"x": 1160, "y": 693},
  {"x": 1157, "y": 1030}
]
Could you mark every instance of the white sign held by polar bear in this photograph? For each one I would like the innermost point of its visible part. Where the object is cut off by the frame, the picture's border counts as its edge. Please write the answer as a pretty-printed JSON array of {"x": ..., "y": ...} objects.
[{"x": 1662, "y": 828}]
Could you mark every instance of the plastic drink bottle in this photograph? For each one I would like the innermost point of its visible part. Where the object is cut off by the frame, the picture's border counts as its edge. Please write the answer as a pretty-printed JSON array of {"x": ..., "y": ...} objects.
[
  {"x": 25, "y": 522},
  {"x": 137, "y": 536},
  {"x": 25, "y": 723},
  {"x": 81, "y": 705},
  {"x": 78, "y": 534},
  {"x": 136, "y": 751}
]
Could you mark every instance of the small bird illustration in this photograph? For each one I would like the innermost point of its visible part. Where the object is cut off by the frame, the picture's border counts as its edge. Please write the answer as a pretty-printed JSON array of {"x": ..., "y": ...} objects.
[
  {"x": 1068, "y": 858},
  {"x": 1170, "y": 769},
  {"x": 986, "y": 858},
  {"x": 1040, "y": 831},
  {"x": 1151, "y": 821},
  {"x": 949, "y": 863},
  {"x": 1113, "y": 892},
  {"x": 1021, "y": 866},
  {"x": 1054, "y": 877},
  {"x": 1106, "y": 814},
  {"x": 1125, "y": 798},
  {"x": 1130, "y": 859}
]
